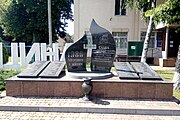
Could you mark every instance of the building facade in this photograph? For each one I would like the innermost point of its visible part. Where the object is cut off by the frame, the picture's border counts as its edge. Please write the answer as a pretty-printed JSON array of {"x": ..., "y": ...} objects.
[{"x": 124, "y": 24}]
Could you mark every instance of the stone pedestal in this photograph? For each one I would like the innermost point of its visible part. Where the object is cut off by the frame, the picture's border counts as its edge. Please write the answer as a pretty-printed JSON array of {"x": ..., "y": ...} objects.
[{"x": 105, "y": 88}]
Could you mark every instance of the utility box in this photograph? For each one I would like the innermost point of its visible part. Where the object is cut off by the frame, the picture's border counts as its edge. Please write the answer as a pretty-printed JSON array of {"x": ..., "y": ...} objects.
[{"x": 135, "y": 48}]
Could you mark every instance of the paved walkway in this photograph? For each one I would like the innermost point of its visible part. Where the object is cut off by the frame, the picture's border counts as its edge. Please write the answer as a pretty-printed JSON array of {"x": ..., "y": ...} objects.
[
  {"x": 142, "y": 107},
  {"x": 78, "y": 116},
  {"x": 23, "y": 106}
]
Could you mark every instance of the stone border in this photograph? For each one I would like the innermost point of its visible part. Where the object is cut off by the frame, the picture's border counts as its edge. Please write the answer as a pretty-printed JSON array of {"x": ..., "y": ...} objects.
[{"x": 170, "y": 112}]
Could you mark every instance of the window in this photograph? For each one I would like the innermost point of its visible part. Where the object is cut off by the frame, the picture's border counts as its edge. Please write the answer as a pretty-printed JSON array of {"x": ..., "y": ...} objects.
[
  {"x": 120, "y": 7},
  {"x": 159, "y": 39},
  {"x": 120, "y": 39},
  {"x": 152, "y": 39},
  {"x": 88, "y": 35}
]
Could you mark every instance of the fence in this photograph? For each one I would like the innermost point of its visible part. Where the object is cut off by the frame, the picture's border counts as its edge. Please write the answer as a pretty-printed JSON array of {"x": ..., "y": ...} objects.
[{"x": 21, "y": 56}]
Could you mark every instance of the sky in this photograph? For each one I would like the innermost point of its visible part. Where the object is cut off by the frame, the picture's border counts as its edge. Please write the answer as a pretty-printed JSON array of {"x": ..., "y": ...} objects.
[{"x": 70, "y": 28}]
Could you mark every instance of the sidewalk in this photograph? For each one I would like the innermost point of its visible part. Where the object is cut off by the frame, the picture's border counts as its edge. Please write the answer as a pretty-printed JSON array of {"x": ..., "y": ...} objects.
[
  {"x": 76, "y": 109},
  {"x": 78, "y": 116}
]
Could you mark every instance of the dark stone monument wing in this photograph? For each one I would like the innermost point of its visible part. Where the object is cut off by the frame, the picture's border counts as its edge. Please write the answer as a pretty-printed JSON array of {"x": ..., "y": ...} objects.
[
  {"x": 53, "y": 70},
  {"x": 103, "y": 56},
  {"x": 75, "y": 56},
  {"x": 145, "y": 72},
  {"x": 125, "y": 71},
  {"x": 33, "y": 70}
]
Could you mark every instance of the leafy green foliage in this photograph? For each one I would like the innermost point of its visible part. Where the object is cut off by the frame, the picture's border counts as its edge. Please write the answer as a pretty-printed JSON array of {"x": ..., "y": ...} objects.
[
  {"x": 141, "y": 5},
  {"x": 25, "y": 19},
  {"x": 138, "y": 4},
  {"x": 168, "y": 12},
  {"x": 4, "y": 74}
]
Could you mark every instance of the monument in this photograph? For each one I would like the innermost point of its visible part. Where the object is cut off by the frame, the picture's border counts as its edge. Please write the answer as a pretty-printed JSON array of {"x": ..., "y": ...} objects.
[
  {"x": 103, "y": 50},
  {"x": 129, "y": 80},
  {"x": 43, "y": 69}
]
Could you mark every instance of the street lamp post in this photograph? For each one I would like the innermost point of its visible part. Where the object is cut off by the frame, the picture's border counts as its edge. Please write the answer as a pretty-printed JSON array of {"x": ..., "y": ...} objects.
[{"x": 49, "y": 23}]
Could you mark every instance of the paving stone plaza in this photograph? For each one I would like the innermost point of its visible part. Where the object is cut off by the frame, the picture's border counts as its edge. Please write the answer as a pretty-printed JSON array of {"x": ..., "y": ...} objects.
[{"x": 107, "y": 109}]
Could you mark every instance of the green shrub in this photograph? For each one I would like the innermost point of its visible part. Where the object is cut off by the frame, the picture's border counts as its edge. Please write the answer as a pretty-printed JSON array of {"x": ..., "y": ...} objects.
[{"x": 4, "y": 74}]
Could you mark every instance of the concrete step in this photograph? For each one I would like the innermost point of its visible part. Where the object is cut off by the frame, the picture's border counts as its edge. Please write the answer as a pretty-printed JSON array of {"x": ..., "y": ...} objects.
[
  {"x": 77, "y": 105},
  {"x": 104, "y": 110}
]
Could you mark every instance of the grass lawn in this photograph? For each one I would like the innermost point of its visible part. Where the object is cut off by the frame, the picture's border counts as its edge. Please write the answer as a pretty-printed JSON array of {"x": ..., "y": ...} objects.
[{"x": 168, "y": 75}]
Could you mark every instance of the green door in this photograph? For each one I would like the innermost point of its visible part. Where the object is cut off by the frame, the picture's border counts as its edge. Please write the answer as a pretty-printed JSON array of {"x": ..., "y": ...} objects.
[{"x": 135, "y": 48}]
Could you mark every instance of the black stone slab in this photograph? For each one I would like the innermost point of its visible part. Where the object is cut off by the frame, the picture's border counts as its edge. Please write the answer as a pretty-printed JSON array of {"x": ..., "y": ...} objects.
[
  {"x": 125, "y": 70},
  {"x": 53, "y": 70},
  {"x": 33, "y": 70},
  {"x": 103, "y": 56},
  {"x": 147, "y": 72},
  {"x": 75, "y": 56}
]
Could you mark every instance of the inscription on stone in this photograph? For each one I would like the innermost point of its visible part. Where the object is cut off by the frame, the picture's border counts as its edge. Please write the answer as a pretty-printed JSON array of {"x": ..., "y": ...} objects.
[
  {"x": 34, "y": 69},
  {"x": 53, "y": 70},
  {"x": 103, "y": 56},
  {"x": 75, "y": 56},
  {"x": 147, "y": 72},
  {"x": 102, "y": 48},
  {"x": 125, "y": 70}
]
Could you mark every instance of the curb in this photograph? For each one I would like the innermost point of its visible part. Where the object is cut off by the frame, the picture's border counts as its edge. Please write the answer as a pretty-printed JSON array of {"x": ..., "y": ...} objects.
[{"x": 166, "y": 112}]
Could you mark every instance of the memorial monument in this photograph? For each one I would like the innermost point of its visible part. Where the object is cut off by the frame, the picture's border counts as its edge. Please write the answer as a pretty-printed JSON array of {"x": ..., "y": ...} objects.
[
  {"x": 131, "y": 79},
  {"x": 103, "y": 50}
]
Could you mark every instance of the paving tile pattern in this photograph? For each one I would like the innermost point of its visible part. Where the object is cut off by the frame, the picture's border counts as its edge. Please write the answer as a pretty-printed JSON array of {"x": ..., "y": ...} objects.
[
  {"x": 78, "y": 116},
  {"x": 98, "y": 103}
]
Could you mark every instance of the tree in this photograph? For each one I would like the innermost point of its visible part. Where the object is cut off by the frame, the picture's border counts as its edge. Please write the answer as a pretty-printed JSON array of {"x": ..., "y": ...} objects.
[
  {"x": 5, "y": 38},
  {"x": 169, "y": 13},
  {"x": 143, "y": 6},
  {"x": 176, "y": 78},
  {"x": 27, "y": 20}
]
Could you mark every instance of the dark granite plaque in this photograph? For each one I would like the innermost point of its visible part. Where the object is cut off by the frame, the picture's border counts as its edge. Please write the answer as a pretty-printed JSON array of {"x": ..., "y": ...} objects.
[
  {"x": 33, "y": 70},
  {"x": 147, "y": 72},
  {"x": 103, "y": 56},
  {"x": 53, "y": 70},
  {"x": 125, "y": 70},
  {"x": 75, "y": 56}
]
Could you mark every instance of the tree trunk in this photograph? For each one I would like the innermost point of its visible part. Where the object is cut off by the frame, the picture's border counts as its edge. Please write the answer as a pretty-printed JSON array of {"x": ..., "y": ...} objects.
[
  {"x": 34, "y": 37},
  {"x": 176, "y": 78},
  {"x": 147, "y": 38}
]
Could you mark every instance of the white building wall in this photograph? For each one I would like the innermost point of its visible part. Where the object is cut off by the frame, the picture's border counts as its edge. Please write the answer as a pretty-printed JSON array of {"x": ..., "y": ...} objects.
[{"x": 103, "y": 11}]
